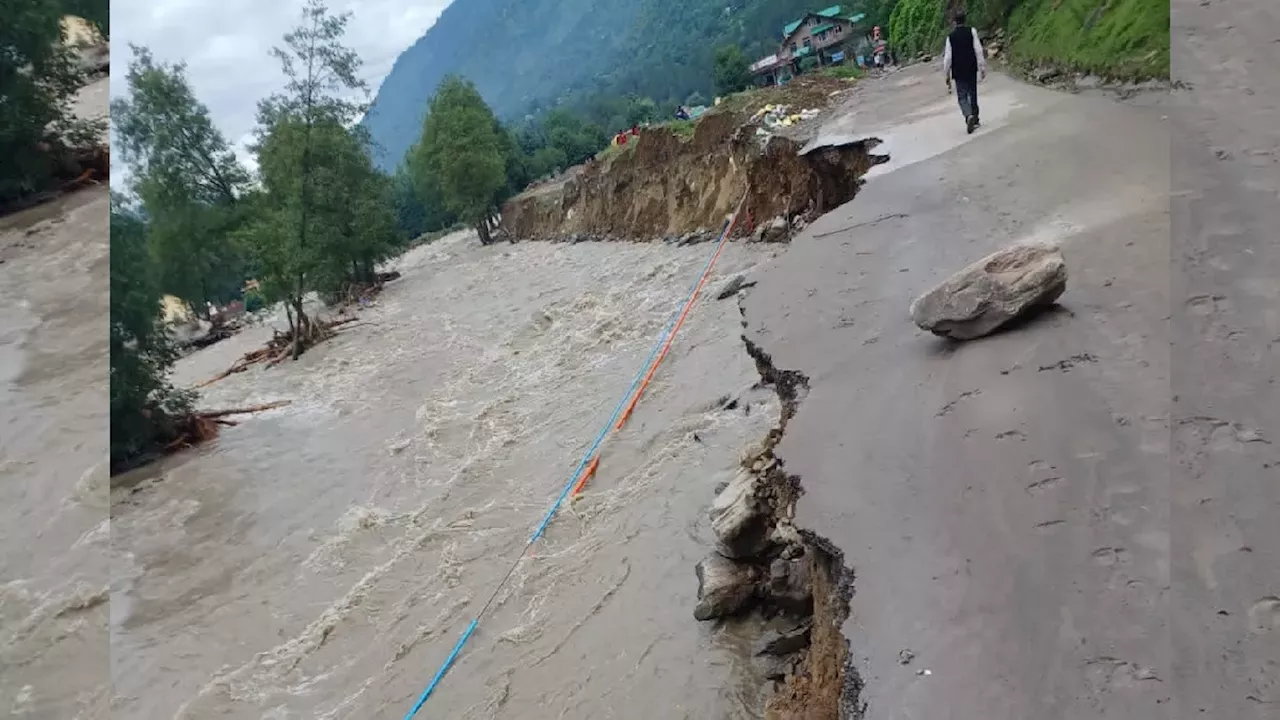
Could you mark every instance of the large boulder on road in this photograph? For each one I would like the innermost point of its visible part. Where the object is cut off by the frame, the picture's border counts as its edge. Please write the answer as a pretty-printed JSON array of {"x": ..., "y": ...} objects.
[
  {"x": 993, "y": 291},
  {"x": 740, "y": 518},
  {"x": 725, "y": 587}
]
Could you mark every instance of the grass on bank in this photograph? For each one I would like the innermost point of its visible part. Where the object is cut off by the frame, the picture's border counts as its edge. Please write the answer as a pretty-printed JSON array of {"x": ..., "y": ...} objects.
[
  {"x": 1116, "y": 39},
  {"x": 849, "y": 71},
  {"x": 1125, "y": 40}
]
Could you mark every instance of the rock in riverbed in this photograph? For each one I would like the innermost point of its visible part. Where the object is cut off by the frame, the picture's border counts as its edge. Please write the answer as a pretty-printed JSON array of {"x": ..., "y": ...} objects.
[
  {"x": 772, "y": 231},
  {"x": 993, "y": 291},
  {"x": 784, "y": 643},
  {"x": 724, "y": 586},
  {"x": 732, "y": 286},
  {"x": 740, "y": 518},
  {"x": 790, "y": 587}
]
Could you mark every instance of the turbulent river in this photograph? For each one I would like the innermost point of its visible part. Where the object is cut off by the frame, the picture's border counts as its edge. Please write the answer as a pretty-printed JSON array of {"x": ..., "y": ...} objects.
[{"x": 320, "y": 560}]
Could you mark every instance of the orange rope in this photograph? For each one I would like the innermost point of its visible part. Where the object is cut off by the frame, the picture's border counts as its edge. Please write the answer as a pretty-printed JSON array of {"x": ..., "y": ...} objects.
[
  {"x": 626, "y": 413},
  {"x": 586, "y": 475}
]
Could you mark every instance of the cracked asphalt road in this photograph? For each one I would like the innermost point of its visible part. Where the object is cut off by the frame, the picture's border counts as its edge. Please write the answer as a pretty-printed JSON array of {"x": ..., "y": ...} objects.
[{"x": 1075, "y": 518}]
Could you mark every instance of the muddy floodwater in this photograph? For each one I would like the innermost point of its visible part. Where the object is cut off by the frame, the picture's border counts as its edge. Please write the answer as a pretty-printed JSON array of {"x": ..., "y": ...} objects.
[
  {"x": 320, "y": 560},
  {"x": 53, "y": 459}
]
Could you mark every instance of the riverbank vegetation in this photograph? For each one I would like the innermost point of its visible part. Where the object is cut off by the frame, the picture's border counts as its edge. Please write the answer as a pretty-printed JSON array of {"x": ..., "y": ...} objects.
[
  {"x": 43, "y": 144},
  {"x": 315, "y": 218}
]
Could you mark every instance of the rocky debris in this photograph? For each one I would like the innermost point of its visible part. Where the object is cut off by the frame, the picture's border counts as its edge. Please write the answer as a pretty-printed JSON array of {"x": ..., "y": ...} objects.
[
  {"x": 778, "y": 668},
  {"x": 776, "y": 230},
  {"x": 725, "y": 587},
  {"x": 996, "y": 44},
  {"x": 905, "y": 656},
  {"x": 790, "y": 586},
  {"x": 740, "y": 518},
  {"x": 700, "y": 235},
  {"x": 732, "y": 286},
  {"x": 778, "y": 642},
  {"x": 1046, "y": 74},
  {"x": 993, "y": 291}
]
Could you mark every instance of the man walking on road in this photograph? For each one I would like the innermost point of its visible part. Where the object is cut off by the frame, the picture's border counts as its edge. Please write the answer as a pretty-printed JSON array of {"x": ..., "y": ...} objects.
[{"x": 963, "y": 60}]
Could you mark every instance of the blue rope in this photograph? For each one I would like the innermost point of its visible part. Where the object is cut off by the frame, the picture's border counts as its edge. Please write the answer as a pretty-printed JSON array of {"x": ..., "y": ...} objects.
[{"x": 546, "y": 520}]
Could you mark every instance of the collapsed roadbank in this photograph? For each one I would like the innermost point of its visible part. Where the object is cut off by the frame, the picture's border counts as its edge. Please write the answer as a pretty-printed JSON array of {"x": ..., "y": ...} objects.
[
  {"x": 673, "y": 187},
  {"x": 665, "y": 184}
]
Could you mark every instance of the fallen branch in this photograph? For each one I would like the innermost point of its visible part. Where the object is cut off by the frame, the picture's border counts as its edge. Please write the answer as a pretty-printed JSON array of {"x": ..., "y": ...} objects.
[
  {"x": 280, "y": 347},
  {"x": 215, "y": 414}
]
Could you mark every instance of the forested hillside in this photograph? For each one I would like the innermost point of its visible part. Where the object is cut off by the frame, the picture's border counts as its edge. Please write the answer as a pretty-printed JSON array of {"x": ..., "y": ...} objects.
[
  {"x": 529, "y": 55},
  {"x": 526, "y": 55}
]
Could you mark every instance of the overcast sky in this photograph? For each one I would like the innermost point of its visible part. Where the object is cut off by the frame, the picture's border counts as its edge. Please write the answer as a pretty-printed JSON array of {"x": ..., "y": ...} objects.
[{"x": 225, "y": 44}]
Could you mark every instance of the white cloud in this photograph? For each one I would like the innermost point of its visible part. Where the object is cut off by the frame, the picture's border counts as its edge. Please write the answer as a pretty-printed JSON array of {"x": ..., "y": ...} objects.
[{"x": 226, "y": 45}]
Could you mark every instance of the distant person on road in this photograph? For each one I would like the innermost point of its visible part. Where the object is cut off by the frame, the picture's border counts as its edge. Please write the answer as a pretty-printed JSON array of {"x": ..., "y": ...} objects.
[{"x": 963, "y": 61}]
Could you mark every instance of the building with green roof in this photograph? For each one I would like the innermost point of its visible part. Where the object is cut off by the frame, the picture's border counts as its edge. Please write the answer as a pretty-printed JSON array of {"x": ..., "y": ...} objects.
[{"x": 817, "y": 39}]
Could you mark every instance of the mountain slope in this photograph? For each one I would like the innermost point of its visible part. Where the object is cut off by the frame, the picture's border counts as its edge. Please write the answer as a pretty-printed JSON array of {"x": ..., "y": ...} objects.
[{"x": 527, "y": 54}]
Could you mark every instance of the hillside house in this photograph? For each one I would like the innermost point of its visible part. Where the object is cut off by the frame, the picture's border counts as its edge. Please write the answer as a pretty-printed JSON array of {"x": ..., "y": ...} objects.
[{"x": 818, "y": 39}]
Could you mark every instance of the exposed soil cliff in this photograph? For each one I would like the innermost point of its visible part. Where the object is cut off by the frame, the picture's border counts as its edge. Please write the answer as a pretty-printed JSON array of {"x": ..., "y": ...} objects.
[{"x": 663, "y": 185}]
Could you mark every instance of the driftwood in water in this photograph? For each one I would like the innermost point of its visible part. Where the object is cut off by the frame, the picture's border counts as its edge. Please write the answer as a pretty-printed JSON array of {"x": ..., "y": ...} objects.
[
  {"x": 215, "y": 414},
  {"x": 203, "y": 426},
  {"x": 280, "y": 347}
]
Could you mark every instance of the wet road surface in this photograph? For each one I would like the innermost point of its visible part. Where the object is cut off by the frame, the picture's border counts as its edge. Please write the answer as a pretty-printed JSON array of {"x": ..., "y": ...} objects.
[{"x": 1033, "y": 515}]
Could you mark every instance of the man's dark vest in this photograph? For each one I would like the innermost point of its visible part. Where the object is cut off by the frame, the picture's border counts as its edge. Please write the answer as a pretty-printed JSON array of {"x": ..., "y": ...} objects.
[{"x": 964, "y": 62}]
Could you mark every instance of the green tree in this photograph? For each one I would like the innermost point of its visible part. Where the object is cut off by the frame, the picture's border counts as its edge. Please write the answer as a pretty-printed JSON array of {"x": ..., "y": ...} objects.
[
  {"x": 145, "y": 408},
  {"x": 355, "y": 223},
  {"x": 188, "y": 179},
  {"x": 460, "y": 155},
  {"x": 38, "y": 78},
  {"x": 297, "y": 127},
  {"x": 732, "y": 70}
]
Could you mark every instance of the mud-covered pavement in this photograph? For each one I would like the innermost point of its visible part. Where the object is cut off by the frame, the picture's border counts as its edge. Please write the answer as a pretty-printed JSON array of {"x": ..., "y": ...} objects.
[
  {"x": 1225, "y": 347},
  {"x": 1034, "y": 516}
]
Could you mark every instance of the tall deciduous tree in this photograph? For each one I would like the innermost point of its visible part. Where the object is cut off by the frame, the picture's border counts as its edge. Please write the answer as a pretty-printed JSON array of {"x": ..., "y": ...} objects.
[
  {"x": 296, "y": 126},
  {"x": 188, "y": 179},
  {"x": 732, "y": 70},
  {"x": 144, "y": 406},
  {"x": 460, "y": 156}
]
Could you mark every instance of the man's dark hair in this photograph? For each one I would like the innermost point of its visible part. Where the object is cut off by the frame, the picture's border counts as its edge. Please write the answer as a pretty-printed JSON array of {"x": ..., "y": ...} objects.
[{"x": 960, "y": 17}]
